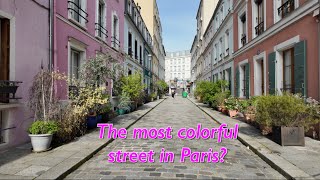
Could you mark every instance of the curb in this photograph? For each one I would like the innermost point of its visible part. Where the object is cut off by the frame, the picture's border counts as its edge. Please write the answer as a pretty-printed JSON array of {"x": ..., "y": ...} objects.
[
  {"x": 79, "y": 162},
  {"x": 286, "y": 169}
]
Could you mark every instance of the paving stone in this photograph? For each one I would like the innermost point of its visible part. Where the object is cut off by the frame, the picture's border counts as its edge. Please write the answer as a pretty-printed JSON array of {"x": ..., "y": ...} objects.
[
  {"x": 33, "y": 171},
  {"x": 180, "y": 113}
]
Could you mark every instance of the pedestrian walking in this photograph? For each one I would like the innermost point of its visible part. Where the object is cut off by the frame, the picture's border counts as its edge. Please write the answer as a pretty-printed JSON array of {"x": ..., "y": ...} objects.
[{"x": 173, "y": 93}]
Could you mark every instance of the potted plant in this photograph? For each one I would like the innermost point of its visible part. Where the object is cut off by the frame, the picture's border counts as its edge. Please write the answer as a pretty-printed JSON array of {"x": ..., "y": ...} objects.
[
  {"x": 132, "y": 85},
  {"x": 124, "y": 103},
  {"x": 153, "y": 96},
  {"x": 288, "y": 115},
  {"x": 43, "y": 103},
  {"x": 41, "y": 133},
  {"x": 232, "y": 106}
]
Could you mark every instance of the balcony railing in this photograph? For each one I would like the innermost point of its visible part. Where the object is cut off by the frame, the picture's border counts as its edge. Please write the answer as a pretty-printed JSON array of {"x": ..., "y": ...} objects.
[
  {"x": 286, "y": 8},
  {"x": 115, "y": 42},
  {"x": 259, "y": 28},
  {"x": 77, "y": 12},
  {"x": 227, "y": 52},
  {"x": 8, "y": 90},
  {"x": 130, "y": 51},
  {"x": 101, "y": 30},
  {"x": 243, "y": 39}
]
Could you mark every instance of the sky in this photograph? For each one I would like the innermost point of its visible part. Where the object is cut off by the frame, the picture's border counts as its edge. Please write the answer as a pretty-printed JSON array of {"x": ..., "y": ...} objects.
[{"x": 178, "y": 20}]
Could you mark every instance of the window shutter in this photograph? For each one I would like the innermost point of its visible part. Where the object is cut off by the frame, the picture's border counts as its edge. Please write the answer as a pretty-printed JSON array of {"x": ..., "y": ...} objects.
[
  {"x": 237, "y": 82},
  {"x": 272, "y": 72},
  {"x": 300, "y": 83},
  {"x": 229, "y": 80},
  {"x": 247, "y": 80}
]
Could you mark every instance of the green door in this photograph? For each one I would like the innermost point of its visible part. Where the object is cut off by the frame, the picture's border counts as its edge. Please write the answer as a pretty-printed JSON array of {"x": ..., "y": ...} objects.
[
  {"x": 272, "y": 72},
  {"x": 300, "y": 82}
]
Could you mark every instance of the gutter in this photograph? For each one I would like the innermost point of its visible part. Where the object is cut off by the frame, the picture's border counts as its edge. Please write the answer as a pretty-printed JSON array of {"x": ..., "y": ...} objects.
[{"x": 50, "y": 64}]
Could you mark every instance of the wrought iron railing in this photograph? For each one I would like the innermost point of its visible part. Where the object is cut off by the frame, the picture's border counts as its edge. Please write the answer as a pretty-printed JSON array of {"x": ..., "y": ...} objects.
[
  {"x": 130, "y": 51},
  {"x": 259, "y": 28},
  {"x": 243, "y": 39},
  {"x": 8, "y": 90},
  {"x": 115, "y": 41},
  {"x": 101, "y": 30},
  {"x": 74, "y": 8},
  {"x": 227, "y": 52},
  {"x": 286, "y": 8}
]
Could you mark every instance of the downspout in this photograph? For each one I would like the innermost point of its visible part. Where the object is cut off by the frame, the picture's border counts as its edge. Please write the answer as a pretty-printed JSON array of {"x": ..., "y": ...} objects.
[
  {"x": 50, "y": 65},
  {"x": 318, "y": 21}
]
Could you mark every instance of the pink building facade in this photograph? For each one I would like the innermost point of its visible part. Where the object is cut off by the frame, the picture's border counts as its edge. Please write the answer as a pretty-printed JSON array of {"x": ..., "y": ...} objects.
[
  {"x": 276, "y": 47},
  {"x": 24, "y": 46},
  {"x": 83, "y": 29}
]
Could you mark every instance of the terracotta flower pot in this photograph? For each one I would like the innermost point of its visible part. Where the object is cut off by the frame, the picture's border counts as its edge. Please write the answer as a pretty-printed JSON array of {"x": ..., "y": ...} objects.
[
  {"x": 265, "y": 130},
  {"x": 220, "y": 108},
  {"x": 225, "y": 111},
  {"x": 232, "y": 113}
]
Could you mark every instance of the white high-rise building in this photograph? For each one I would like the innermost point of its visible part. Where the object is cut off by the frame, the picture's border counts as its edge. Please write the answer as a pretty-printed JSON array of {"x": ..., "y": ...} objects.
[{"x": 178, "y": 68}]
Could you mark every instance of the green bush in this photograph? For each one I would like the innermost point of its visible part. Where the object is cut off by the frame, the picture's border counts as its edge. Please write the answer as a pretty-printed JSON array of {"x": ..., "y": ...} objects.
[
  {"x": 232, "y": 103},
  {"x": 162, "y": 87},
  {"x": 124, "y": 102},
  {"x": 132, "y": 85},
  {"x": 286, "y": 110},
  {"x": 43, "y": 127},
  {"x": 218, "y": 99},
  {"x": 206, "y": 90}
]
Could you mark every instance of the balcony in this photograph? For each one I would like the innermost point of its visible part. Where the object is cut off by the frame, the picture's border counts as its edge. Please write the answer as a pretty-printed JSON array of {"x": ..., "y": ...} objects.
[
  {"x": 259, "y": 28},
  {"x": 77, "y": 13},
  {"x": 8, "y": 90},
  {"x": 286, "y": 8},
  {"x": 115, "y": 42},
  {"x": 243, "y": 39},
  {"x": 101, "y": 30}
]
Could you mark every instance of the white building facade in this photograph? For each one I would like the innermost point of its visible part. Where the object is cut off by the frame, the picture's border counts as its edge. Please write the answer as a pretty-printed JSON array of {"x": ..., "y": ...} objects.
[
  {"x": 137, "y": 44},
  {"x": 178, "y": 68}
]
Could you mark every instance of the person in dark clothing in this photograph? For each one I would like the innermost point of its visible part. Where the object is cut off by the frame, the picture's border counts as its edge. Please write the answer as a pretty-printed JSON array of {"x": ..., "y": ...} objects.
[{"x": 173, "y": 93}]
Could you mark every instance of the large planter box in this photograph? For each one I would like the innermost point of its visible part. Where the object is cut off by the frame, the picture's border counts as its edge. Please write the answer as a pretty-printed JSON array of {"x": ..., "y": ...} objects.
[{"x": 288, "y": 136}]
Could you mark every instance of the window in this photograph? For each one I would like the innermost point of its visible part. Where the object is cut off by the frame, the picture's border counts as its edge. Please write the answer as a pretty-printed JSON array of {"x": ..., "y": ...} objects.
[
  {"x": 115, "y": 32},
  {"x": 140, "y": 50},
  {"x": 74, "y": 64},
  {"x": 129, "y": 44},
  {"x": 4, "y": 54},
  {"x": 136, "y": 49},
  {"x": 259, "y": 28},
  {"x": 243, "y": 29},
  {"x": 286, "y": 7},
  {"x": 100, "y": 24},
  {"x": 227, "y": 37},
  {"x": 288, "y": 69},
  {"x": 77, "y": 11},
  {"x": 222, "y": 14}
]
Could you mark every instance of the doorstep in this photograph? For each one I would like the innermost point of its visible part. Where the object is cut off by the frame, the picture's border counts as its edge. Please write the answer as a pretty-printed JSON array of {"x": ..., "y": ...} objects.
[
  {"x": 293, "y": 162},
  {"x": 20, "y": 163}
]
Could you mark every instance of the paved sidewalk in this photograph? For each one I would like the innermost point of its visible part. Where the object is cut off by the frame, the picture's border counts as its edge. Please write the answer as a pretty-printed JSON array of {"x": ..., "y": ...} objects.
[
  {"x": 240, "y": 162},
  {"x": 20, "y": 163},
  {"x": 294, "y": 162}
]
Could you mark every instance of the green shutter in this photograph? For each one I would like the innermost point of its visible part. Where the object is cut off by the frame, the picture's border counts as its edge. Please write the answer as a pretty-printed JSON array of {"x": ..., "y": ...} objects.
[
  {"x": 300, "y": 83},
  {"x": 272, "y": 72},
  {"x": 237, "y": 82},
  {"x": 247, "y": 80},
  {"x": 229, "y": 80}
]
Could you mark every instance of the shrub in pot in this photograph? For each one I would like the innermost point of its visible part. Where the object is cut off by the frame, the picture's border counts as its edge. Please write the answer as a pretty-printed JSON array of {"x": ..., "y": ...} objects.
[
  {"x": 232, "y": 105},
  {"x": 248, "y": 108},
  {"x": 218, "y": 100},
  {"x": 288, "y": 115},
  {"x": 124, "y": 103},
  {"x": 153, "y": 96},
  {"x": 41, "y": 133}
]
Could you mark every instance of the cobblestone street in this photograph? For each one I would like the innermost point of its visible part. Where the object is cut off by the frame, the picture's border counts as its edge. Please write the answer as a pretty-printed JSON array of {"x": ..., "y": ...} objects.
[{"x": 240, "y": 162}]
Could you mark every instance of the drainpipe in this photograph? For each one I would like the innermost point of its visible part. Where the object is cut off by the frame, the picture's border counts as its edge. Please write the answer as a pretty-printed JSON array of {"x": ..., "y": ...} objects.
[
  {"x": 318, "y": 20},
  {"x": 50, "y": 65}
]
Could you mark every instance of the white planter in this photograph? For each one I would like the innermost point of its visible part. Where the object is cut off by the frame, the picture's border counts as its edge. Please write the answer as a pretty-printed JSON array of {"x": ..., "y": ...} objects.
[
  {"x": 40, "y": 142},
  {"x": 158, "y": 97}
]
